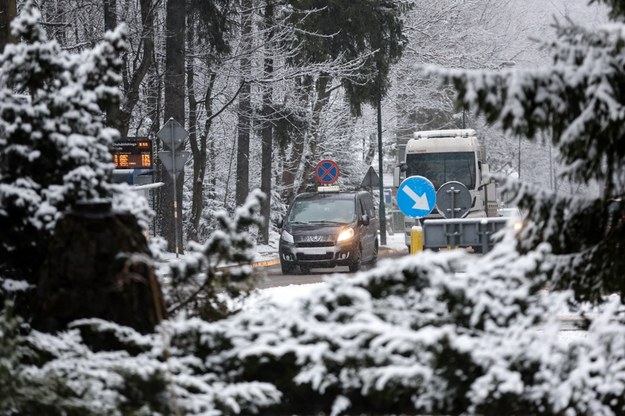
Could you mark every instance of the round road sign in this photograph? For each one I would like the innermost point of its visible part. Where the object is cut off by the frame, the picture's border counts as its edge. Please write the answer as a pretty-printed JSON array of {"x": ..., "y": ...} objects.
[
  {"x": 453, "y": 200},
  {"x": 416, "y": 197},
  {"x": 327, "y": 172}
]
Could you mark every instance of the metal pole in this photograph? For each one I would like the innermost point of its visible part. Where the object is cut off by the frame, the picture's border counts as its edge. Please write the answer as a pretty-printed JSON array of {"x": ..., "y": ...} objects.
[
  {"x": 551, "y": 186},
  {"x": 381, "y": 175},
  {"x": 452, "y": 191},
  {"x": 519, "y": 157},
  {"x": 174, "y": 174}
]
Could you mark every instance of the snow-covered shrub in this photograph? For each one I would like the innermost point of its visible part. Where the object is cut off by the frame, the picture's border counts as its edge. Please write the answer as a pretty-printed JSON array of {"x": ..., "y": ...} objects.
[
  {"x": 10, "y": 361},
  {"x": 62, "y": 375},
  {"x": 54, "y": 143},
  {"x": 214, "y": 275},
  {"x": 429, "y": 334},
  {"x": 419, "y": 337},
  {"x": 580, "y": 102}
]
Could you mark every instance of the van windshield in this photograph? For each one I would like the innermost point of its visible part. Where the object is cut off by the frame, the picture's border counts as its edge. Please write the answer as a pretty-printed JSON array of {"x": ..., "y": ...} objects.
[
  {"x": 308, "y": 211},
  {"x": 443, "y": 167}
]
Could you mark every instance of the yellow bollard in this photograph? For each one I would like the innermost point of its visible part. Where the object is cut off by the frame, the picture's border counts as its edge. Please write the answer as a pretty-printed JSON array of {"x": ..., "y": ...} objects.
[{"x": 416, "y": 239}]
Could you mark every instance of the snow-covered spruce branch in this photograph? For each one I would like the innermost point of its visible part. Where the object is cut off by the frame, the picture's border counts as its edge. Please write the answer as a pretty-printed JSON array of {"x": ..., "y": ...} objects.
[{"x": 221, "y": 264}]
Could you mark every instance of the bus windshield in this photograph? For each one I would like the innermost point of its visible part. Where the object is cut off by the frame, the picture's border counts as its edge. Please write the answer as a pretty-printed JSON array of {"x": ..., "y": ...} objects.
[
  {"x": 321, "y": 210},
  {"x": 443, "y": 167}
]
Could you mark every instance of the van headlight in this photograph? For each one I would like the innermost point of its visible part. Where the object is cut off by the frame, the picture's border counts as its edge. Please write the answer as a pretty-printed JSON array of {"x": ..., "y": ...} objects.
[
  {"x": 346, "y": 235},
  {"x": 287, "y": 237}
]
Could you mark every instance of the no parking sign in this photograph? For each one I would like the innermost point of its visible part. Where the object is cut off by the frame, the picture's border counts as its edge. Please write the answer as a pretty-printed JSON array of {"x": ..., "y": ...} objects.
[{"x": 327, "y": 172}]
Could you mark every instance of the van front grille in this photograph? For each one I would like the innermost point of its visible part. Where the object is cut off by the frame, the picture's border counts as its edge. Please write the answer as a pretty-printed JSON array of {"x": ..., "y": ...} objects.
[
  {"x": 314, "y": 257},
  {"x": 315, "y": 244}
]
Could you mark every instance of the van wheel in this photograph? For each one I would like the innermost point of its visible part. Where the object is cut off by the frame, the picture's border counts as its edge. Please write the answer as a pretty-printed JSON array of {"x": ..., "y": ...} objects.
[
  {"x": 287, "y": 268},
  {"x": 355, "y": 265}
]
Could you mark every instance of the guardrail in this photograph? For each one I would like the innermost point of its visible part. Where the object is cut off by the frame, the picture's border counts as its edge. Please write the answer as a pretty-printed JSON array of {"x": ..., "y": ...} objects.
[{"x": 462, "y": 232}]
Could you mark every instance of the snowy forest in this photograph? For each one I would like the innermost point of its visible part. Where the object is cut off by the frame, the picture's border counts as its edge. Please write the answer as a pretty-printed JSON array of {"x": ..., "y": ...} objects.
[
  {"x": 95, "y": 322},
  {"x": 267, "y": 90}
]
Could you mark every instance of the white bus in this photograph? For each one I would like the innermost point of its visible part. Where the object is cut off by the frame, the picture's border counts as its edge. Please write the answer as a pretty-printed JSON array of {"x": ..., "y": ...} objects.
[{"x": 450, "y": 155}]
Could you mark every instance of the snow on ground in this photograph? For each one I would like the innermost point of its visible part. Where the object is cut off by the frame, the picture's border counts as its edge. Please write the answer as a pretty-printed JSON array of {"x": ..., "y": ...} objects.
[{"x": 282, "y": 296}]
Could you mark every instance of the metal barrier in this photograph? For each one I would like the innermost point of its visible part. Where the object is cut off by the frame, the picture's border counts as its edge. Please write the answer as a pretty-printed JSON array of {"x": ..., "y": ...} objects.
[{"x": 463, "y": 232}]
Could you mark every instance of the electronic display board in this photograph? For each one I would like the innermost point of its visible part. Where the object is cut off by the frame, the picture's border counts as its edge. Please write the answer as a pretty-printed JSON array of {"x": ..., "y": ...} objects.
[{"x": 132, "y": 154}]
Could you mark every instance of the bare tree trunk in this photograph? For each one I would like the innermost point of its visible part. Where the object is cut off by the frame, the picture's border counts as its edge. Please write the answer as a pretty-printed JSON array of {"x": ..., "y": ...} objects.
[
  {"x": 198, "y": 147},
  {"x": 154, "y": 94},
  {"x": 293, "y": 162},
  {"x": 110, "y": 22},
  {"x": 267, "y": 133},
  {"x": 198, "y": 162},
  {"x": 370, "y": 153},
  {"x": 132, "y": 93},
  {"x": 118, "y": 114},
  {"x": 174, "y": 108},
  {"x": 311, "y": 158},
  {"x": 291, "y": 167},
  {"x": 245, "y": 107},
  {"x": 8, "y": 11}
]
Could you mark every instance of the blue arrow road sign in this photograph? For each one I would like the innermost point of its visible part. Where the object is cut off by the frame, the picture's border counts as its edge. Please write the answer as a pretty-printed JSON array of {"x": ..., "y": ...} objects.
[{"x": 416, "y": 197}]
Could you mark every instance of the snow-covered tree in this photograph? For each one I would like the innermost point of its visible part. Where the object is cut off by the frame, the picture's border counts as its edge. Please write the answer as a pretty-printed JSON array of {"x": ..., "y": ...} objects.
[
  {"x": 411, "y": 337},
  {"x": 437, "y": 333},
  {"x": 578, "y": 100},
  {"x": 54, "y": 146}
]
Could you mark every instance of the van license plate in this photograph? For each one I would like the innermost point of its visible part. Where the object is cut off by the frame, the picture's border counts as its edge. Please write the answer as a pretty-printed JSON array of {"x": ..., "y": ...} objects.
[{"x": 314, "y": 250}]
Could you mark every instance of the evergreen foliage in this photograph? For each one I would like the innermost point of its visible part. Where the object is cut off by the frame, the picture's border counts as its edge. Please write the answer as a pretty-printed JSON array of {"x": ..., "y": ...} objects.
[
  {"x": 328, "y": 30},
  {"x": 214, "y": 274},
  {"x": 580, "y": 100},
  {"x": 616, "y": 8},
  {"x": 438, "y": 333},
  {"x": 412, "y": 337},
  {"x": 215, "y": 23},
  {"x": 98, "y": 367},
  {"x": 53, "y": 142},
  {"x": 12, "y": 356}
]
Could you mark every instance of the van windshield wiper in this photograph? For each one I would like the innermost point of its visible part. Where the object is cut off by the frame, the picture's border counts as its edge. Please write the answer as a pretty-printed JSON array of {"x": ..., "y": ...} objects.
[{"x": 328, "y": 222}]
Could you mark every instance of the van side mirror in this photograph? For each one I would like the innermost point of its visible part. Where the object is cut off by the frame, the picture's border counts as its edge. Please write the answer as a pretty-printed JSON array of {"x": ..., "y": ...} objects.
[{"x": 364, "y": 219}]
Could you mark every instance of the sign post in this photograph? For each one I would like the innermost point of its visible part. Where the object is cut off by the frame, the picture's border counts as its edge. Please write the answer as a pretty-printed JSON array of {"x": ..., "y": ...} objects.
[{"x": 173, "y": 135}]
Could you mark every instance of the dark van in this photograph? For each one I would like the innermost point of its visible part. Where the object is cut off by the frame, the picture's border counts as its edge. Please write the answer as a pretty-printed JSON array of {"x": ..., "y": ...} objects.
[{"x": 327, "y": 229}]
